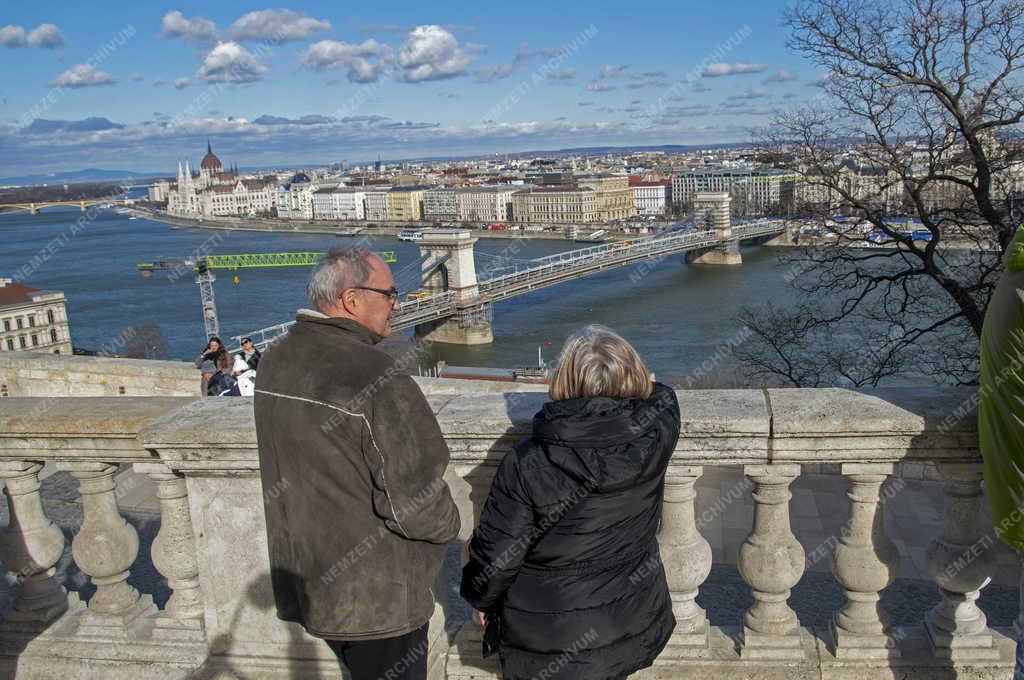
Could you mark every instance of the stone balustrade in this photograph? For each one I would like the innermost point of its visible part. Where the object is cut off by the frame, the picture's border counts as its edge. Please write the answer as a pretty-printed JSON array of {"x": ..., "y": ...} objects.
[{"x": 211, "y": 548}]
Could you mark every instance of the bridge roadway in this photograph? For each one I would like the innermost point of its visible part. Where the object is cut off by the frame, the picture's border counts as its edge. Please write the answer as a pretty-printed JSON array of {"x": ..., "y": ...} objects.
[
  {"x": 548, "y": 271},
  {"x": 35, "y": 206}
]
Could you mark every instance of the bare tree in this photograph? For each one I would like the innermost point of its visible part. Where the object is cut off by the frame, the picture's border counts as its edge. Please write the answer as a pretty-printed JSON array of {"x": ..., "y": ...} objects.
[
  {"x": 920, "y": 115},
  {"x": 147, "y": 341}
]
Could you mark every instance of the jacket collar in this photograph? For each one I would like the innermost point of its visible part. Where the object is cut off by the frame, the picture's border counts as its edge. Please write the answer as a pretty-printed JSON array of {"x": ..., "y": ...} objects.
[{"x": 348, "y": 326}]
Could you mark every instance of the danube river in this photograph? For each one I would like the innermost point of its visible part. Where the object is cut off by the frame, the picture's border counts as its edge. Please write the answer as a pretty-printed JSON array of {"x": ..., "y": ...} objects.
[{"x": 675, "y": 314}]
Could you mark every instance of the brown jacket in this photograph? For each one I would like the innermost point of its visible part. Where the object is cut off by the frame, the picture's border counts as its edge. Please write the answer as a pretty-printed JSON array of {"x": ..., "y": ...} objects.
[{"x": 352, "y": 460}]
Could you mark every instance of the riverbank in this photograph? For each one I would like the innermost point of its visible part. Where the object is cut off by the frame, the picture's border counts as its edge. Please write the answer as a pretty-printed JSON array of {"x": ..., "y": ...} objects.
[{"x": 334, "y": 228}]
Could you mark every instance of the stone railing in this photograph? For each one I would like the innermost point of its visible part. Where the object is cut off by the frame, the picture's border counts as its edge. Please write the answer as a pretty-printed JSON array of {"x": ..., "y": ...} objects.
[
  {"x": 35, "y": 374},
  {"x": 219, "y": 621}
]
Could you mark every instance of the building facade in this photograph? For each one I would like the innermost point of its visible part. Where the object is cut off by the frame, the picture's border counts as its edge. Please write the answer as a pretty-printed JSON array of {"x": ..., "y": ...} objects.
[
  {"x": 754, "y": 191},
  {"x": 555, "y": 205},
  {"x": 485, "y": 204},
  {"x": 377, "y": 204},
  {"x": 651, "y": 198},
  {"x": 613, "y": 194},
  {"x": 33, "y": 320},
  {"x": 405, "y": 204},
  {"x": 441, "y": 205}
]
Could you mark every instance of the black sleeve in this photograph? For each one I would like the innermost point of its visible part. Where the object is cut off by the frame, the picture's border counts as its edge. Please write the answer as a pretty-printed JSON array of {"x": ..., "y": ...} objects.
[{"x": 500, "y": 543}]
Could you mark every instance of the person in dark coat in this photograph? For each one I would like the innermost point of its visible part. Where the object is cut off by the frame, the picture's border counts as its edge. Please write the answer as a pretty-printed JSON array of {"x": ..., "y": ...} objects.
[{"x": 564, "y": 568}]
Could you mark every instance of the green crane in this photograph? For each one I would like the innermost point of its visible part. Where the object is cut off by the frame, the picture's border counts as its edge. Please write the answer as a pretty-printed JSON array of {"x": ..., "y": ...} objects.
[{"x": 203, "y": 265}]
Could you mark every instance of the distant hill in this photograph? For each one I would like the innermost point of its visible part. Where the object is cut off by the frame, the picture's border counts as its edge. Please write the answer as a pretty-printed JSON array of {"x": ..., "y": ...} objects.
[{"x": 86, "y": 175}]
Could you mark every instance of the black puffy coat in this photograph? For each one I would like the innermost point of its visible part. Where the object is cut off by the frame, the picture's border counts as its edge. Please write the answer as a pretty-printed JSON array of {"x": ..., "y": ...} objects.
[{"x": 566, "y": 556}]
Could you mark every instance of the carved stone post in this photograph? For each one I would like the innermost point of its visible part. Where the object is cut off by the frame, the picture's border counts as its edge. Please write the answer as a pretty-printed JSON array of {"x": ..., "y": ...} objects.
[
  {"x": 174, "y": 555},
  {"x": 31, "y": 547},
  {"x": 686, "y": 556},
  {"x": 960, "y": 563},
  {"x": 864, "y": 562},
  {"x": 104, "y": 548},
  {"x": 771, "y": 561}
]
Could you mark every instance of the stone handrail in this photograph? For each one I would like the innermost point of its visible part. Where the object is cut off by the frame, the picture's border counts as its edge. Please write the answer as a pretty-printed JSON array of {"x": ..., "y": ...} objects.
[{"x": 219, "y": 621}]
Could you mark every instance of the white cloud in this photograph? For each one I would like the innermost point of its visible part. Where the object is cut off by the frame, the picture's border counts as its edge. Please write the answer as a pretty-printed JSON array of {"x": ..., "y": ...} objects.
[
  {"x": 722, "y": 69},
  {"x": 753, "y": 93},
  {"x": 83, "y": 75},
  {"x": 599, "y": 87},
  {"x": 159, "y": 82},
  {"x": 363, "y": 61},
  {"x": 781, "y": 76},
  {"x": 279, "y": 24},
  {"x": 45, "y": 35},
  {"x": 562, "y": 74},
  {"x": 432, "y": 53},
  {"x": 496, "y": 72},
  {"x": 612, "y": 71},
  {"x": 194, "y": 29},
  {"x": 181, "y": 83},
  {"x": 229, "y": 62},
  {"x": 136, "y": 76}
]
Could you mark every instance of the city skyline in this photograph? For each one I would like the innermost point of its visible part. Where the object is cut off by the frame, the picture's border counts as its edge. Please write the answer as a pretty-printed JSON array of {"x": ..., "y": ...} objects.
[{"x": 90, "y": 87}]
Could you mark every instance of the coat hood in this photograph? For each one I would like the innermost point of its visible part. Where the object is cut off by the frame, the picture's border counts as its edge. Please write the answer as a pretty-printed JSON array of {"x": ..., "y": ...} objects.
[{"x": 606, "y": 443}]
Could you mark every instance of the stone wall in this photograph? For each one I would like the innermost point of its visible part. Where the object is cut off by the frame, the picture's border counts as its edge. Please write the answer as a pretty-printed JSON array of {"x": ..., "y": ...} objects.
[{"x": 31, "y": 374}]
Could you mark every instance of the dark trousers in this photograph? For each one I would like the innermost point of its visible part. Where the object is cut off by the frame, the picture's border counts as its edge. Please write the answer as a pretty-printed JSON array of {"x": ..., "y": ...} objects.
[{"x": 397, "y": 658}]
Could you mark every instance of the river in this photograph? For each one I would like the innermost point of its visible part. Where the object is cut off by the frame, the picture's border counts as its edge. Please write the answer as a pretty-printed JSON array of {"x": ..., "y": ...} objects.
[{"x": 675, "y": 314}]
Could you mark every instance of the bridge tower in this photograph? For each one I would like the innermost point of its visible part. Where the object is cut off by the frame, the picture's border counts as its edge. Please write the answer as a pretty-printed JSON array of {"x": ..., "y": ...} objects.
[
  {"x": 32, "y": 209},
  {"x": 448, "y": 266},
  {"x": 711, "y": 211}
]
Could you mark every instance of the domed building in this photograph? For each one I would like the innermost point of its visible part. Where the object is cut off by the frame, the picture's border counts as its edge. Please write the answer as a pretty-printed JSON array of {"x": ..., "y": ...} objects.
[{"x": 210, "y": 162}]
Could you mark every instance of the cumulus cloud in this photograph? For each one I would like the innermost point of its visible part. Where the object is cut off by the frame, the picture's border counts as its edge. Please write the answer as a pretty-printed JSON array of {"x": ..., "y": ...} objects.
[
  {"x": 194, "y": 29},
  {"x": 229, "y": 62},
  {"x": 158, "y": 82},
  {"x": 599, "y": 87},
  {"x": 278, "y": 24},
  {"x": 364, "y": 62},
  {"x": 612, "y": 70},
  {"x": 181, "y": 83},
  {"x": 136, "y": 76},
  {"x": 781, "y": 76},
  {"x": 43, "y": 35},
  {"x": 83, "y": 75},
  {"x": 432, "y": 53},
  {"x": 722, "y": 69}
]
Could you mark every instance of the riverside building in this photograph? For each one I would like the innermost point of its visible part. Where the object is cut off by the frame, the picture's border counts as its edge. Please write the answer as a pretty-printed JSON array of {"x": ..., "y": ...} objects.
[{"x": 33, "y": 320}]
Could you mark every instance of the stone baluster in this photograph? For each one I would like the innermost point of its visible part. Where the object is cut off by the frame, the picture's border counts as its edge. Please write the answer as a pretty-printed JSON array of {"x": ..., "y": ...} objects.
[
  {"x": 104, "y": 549},
  {"x": 864, "y": 562},
  {"x": 31, "y": 547},
  {"x": 960, "y": 563},
  {"x": 686, "y": 556},
  {"x": 174, "y": 555},
  {"x": 771, "y": 561}
]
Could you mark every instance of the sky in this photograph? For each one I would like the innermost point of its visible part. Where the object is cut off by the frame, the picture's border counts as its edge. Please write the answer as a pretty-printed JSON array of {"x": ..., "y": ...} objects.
[{"x": 140, "y": 86}]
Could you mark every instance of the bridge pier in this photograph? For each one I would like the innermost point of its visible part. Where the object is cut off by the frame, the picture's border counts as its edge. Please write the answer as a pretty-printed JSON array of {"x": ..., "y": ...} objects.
[
  {"x": 711, "y": 211},
  {"x": 81, "y": 206},
  {"x": 449, "y": 266},
  {"x": 32, "y": 209}
]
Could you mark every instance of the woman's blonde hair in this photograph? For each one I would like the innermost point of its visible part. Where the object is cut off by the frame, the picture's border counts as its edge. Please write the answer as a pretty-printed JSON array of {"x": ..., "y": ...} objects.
[{"x": 598, "y": 362}]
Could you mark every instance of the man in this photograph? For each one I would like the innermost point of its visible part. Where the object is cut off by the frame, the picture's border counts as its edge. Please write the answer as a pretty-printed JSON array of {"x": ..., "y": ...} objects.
[
  {"x": 1001, "y": 410},
  {"x": 358, "y": 536}
]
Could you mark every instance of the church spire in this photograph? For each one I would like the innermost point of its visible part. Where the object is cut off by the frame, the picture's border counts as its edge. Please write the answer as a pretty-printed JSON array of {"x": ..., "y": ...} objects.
[{"x": 208, "y": 148}]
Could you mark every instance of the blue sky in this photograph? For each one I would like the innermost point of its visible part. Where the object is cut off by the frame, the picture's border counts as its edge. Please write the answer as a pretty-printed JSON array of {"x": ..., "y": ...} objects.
[{"x": 138, "y": 86}]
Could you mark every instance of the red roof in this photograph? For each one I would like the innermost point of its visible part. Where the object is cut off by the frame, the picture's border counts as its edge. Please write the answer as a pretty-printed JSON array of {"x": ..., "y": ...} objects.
[
  {"x": 14, "y": 293},
  {"x": 640, "y": 183}
]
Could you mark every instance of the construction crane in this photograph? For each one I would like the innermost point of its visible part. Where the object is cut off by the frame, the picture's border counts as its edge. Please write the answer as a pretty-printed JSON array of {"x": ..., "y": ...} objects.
[{"x": 203, "y": 266}]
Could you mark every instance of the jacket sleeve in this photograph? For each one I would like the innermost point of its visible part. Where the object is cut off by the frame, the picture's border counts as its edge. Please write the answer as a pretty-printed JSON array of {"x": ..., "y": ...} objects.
[
  {"x": 507, "y": 530},
  {"x": 407, "y": 457}
]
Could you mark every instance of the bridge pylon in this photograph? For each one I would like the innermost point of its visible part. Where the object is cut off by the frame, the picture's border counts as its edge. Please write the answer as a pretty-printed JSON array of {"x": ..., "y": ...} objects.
[
  {"x": 711, "y": 211},
  {"x": 32, "y": 209},
  {"x": 449, "y": 266}
]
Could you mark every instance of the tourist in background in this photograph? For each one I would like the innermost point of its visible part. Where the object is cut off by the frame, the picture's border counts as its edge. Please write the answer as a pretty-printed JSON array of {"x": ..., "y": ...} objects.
[
  {"x": 363, "y": 460},
  {"x": 564, "y": 568},
  {"x": 1001, "y": 411},
  {"x": 244, "y": 368},
  {"x": 208, "y": 361}
]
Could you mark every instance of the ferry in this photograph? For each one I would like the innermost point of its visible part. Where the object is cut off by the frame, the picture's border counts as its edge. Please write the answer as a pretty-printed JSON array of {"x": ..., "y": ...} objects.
[
  {"x": 410, "y": 235},
  {"x": 595, "y": 237}
]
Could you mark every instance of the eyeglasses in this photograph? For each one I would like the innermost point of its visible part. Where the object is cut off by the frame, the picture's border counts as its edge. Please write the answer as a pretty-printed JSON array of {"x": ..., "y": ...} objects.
[{"x": 391, "y": 292}]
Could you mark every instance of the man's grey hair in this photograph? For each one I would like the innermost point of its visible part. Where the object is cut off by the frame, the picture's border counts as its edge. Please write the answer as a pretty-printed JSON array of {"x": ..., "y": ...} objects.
[{"x": 338, "y": 269}]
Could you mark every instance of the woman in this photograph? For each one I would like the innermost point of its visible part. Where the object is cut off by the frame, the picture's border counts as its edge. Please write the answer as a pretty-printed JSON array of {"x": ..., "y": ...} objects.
[
  {"x": 214, "y": 359},
  {"x": 564, "y": 567}
]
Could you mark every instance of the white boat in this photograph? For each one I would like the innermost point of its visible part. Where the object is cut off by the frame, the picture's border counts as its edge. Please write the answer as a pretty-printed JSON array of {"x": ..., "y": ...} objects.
[{"x": 410, "y": 235}]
